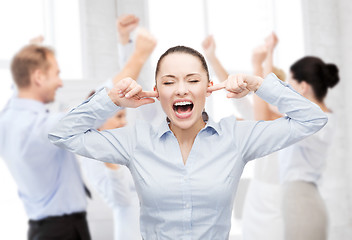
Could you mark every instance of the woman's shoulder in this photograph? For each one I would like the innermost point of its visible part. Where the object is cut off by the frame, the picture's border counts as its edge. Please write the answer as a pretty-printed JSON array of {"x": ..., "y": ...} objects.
[
  {"x": 233, "y": 125},
  {"x": 142, "y": 126},
  {"x": 232, "y": 119},
  {"x": 224, "y": 125},
  {"x": 228, "y": 119}
]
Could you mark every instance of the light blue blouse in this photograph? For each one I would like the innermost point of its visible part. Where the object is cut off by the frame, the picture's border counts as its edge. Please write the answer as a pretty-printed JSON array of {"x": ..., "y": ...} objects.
[{"x": 192, "y": 201}]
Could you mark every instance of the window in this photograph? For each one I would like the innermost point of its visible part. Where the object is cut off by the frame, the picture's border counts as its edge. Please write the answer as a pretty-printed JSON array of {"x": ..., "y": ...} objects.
[
  {"x": 174, "y": 23},
  {"x": 16, "y": 32},
  {"x": 57, "y": 21},
  {"x": 238, "y": 26},
  {"x": 64, "y": 32}
]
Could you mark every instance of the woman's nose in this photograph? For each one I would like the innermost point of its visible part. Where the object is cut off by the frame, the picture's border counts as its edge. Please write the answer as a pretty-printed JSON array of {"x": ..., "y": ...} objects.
[{"x": 181, "y": 89}]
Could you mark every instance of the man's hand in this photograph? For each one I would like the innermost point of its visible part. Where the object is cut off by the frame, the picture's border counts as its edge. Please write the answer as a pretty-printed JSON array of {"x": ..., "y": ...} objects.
[
  {"x": 259, "y": 54},
  {"x": 145, "y": 42},
  {"x": 271, "y": 41},
  {"x": 238, "y": 85},
  {"x": 37, "y": 40},
  {"x": 209, "y": 46},
  {"x": 128, "y": 93},
  {"x": 125, "y": 25}
]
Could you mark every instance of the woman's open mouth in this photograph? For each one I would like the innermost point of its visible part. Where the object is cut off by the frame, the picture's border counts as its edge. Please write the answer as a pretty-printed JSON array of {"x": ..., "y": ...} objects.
[{"x": 183, "y": 109}]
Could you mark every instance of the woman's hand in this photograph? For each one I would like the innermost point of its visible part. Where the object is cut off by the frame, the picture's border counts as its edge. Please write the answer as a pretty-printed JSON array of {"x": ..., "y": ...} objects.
[
  {"x": 128, "y": 93},
  {"x": 238, "y": 85}
]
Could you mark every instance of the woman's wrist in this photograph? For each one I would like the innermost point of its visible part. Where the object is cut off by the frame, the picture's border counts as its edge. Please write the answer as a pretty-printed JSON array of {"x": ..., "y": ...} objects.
[
  {"x": 113, "y": 97},
  {"x": 123, "y": 39},
  {"x": 211, "y": 57},
  {"x": 259, "y": 82}
]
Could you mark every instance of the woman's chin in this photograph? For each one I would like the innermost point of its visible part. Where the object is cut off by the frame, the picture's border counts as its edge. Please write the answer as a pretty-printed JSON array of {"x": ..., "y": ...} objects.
[{"x": 183, "y": 121}]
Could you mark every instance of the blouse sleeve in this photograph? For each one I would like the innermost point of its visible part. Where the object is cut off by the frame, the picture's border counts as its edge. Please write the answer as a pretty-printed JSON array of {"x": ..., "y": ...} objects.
[
  {"x": 77, "y": 132},
  {"x": 303, "y": 118}
]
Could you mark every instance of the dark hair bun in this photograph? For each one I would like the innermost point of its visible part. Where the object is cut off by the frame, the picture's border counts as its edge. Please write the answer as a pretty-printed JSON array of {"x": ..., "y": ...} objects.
[{"x": 332, "y": 75}]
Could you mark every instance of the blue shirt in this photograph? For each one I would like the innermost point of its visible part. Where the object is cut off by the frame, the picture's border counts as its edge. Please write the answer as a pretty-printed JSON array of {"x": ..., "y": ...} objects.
[
  {"x": 48, "y": 178},
  {"x": 192, "y": 201}
]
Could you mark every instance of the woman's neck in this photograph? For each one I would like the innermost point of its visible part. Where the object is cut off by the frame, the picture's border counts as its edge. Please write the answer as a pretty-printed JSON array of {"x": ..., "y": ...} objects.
[
  {"x": 321, "y": 104},
  {"x": 186, "y": 137},
  {"x": 189, "y": 134}
]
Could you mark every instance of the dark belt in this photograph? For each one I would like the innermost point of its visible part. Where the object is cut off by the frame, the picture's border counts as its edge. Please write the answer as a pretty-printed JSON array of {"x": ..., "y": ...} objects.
[{"x": 72, "y": 216}]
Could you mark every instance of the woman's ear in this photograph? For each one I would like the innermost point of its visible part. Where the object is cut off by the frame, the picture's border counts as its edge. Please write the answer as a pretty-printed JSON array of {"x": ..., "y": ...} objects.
[
  {"x": 306, "y": 89},
  {"x": 156, "y": 90},
  {"x": 210, "y": 84}
]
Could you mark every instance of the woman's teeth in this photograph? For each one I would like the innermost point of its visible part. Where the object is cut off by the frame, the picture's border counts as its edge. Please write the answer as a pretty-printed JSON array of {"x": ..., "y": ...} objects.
[
  {"x": 182, "y": 103},
  {"x": 183, "y": 107}
]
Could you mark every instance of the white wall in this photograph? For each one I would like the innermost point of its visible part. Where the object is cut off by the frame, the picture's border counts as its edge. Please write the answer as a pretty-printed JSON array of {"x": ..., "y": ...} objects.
[
  {"x": 327, "y": 29},
  {"x": 99, "y": 39},
  {"x": 345, "y": 10},
  {"x": 136, "y": 7}
]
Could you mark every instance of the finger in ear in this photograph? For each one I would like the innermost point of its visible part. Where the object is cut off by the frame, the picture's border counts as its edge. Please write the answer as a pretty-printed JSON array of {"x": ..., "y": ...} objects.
[{"x": 156, "y": 90}]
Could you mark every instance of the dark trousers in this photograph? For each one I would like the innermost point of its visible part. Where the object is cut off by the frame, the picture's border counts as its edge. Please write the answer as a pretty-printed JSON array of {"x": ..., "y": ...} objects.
[{"x": 67, "y": 227}]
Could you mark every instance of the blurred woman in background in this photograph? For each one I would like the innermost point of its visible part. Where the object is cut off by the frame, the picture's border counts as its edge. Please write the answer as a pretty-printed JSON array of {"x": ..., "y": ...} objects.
[{"x": 302, "y": 164}]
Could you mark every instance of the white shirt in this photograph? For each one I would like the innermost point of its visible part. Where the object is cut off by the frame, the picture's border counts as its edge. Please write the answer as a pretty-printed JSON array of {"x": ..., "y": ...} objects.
[
  {"x": 117, "y": 189},
  {"x": 306, "y": 159}
]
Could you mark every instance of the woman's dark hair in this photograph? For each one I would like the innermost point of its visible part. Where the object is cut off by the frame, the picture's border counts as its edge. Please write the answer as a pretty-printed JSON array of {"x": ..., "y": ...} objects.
[
  {"x": 316, "y": 73},
  {"x": 183, "y": 49}
]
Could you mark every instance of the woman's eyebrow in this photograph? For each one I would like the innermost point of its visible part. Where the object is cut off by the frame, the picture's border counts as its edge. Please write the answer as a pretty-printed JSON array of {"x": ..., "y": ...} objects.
[
  {"x": 192, "y": 74},
  {"x": 168, "y": 76},
  {"x": 188, "y": 75}
]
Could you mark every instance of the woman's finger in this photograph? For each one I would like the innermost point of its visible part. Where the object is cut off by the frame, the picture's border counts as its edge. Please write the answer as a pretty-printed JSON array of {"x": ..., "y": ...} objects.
[
  {"x": 134, "y": 91},
  {"x": 240, "y": 82},
  {"x": 148, "y": 94},
  {"x": 236, "y": 84},
  {"x": 144, "y": 101},
  {"x": 132, "y": 85},
  {"x": 237, "y": 94},
  {"x": 123, "y": 85},
  {"x": 217, "y": 87}
]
